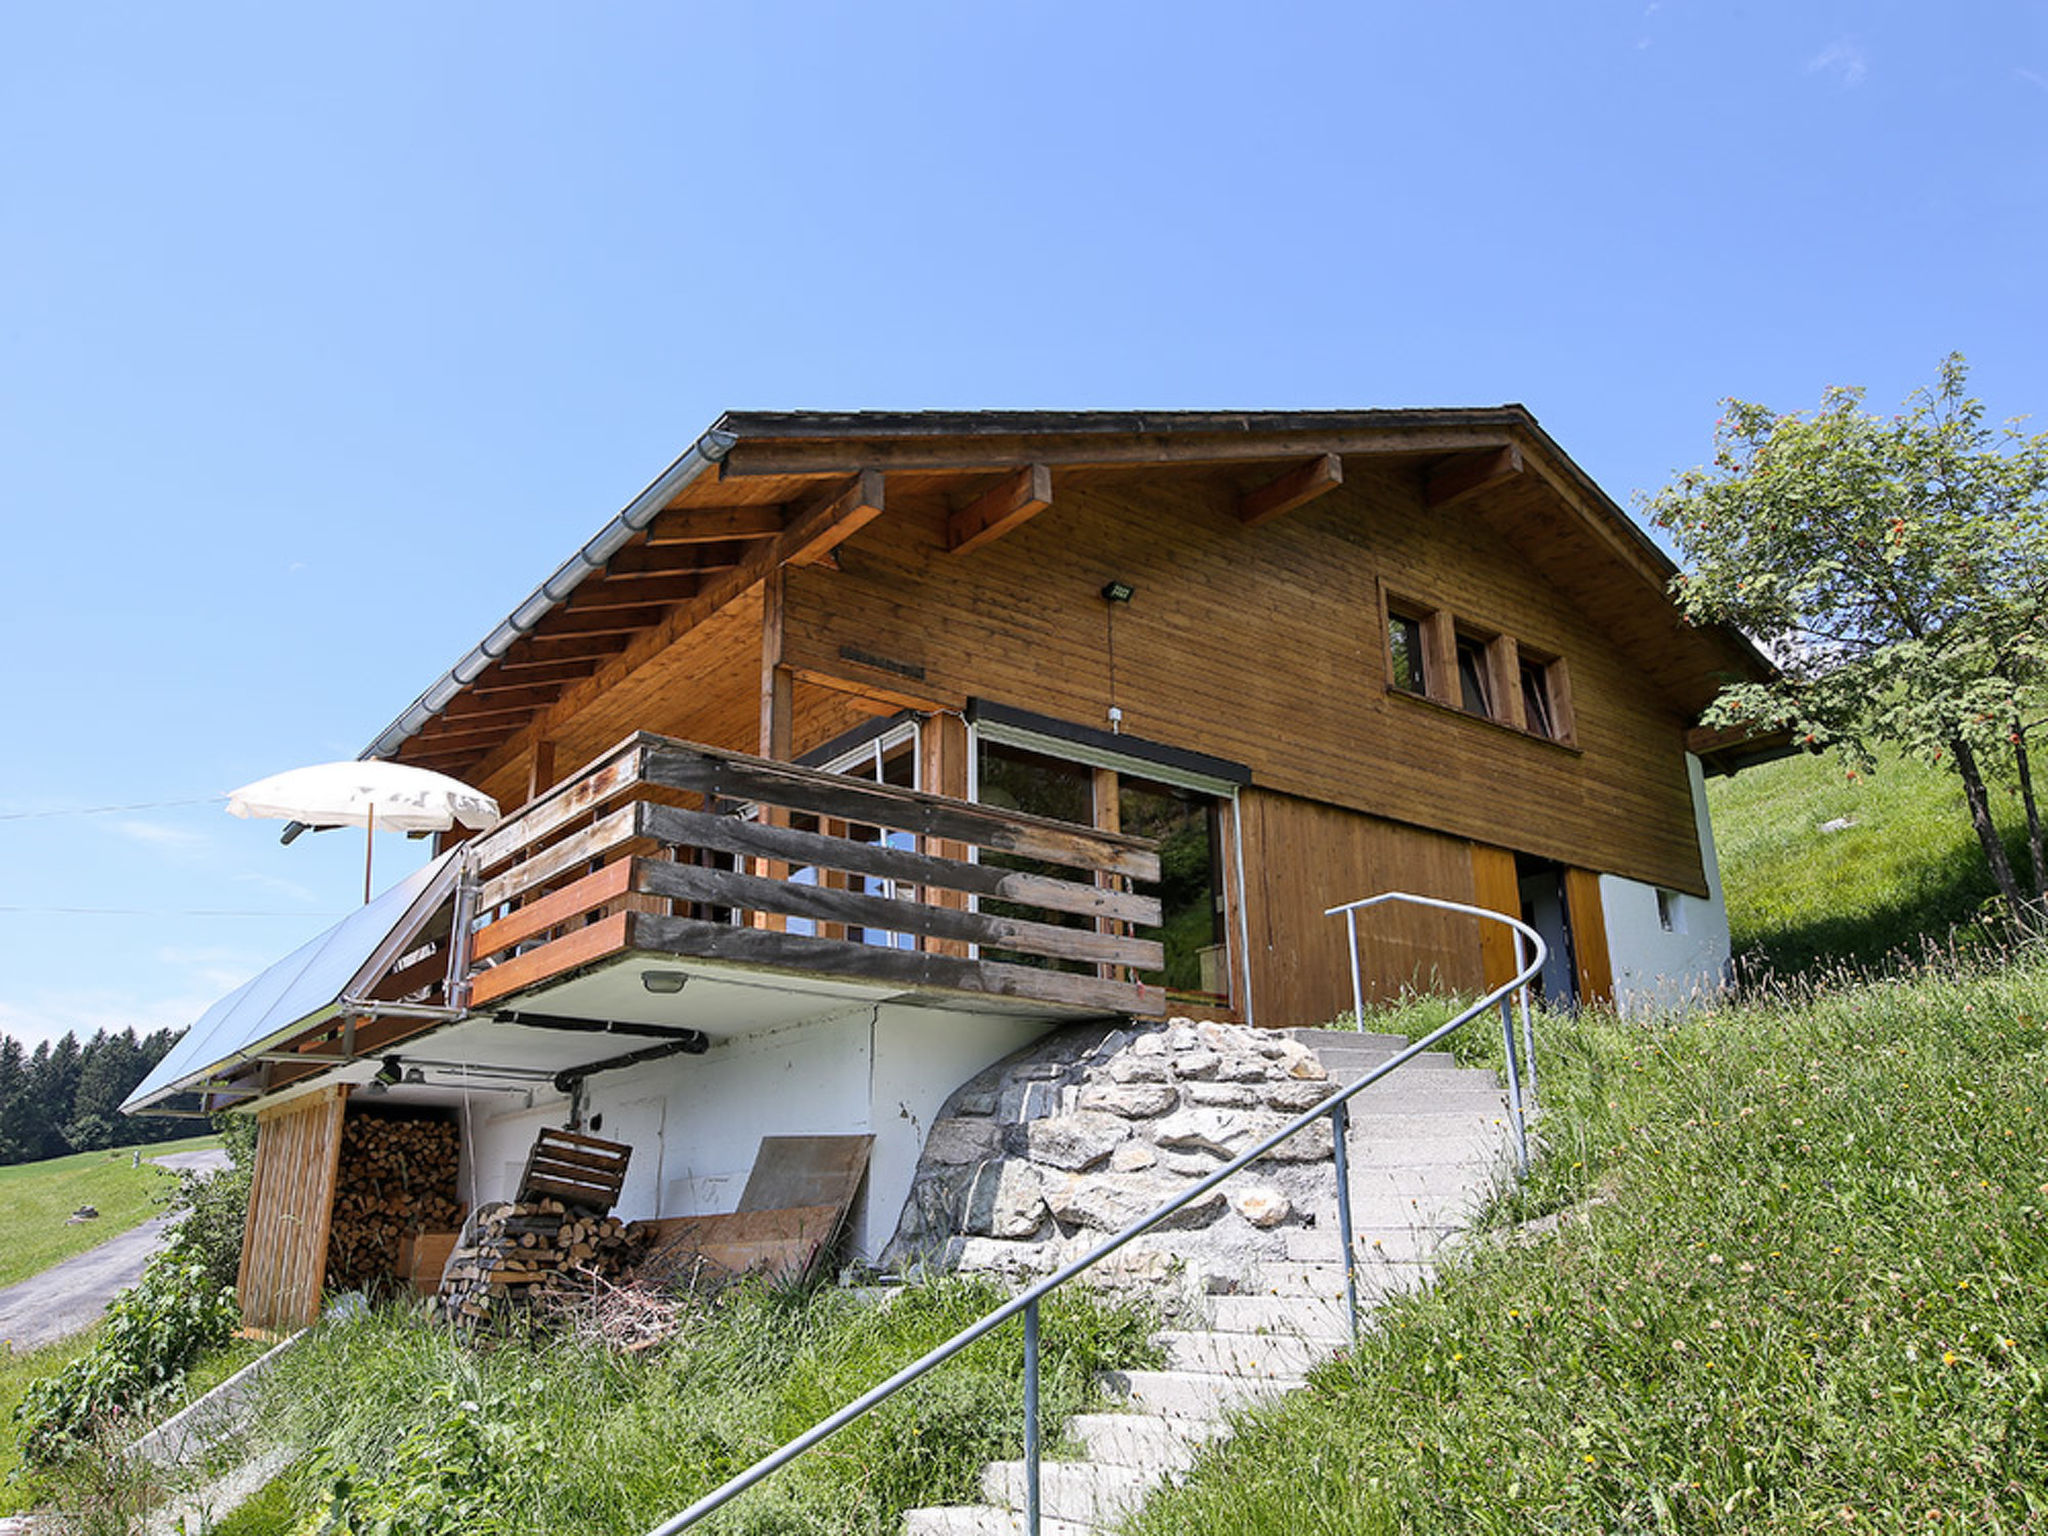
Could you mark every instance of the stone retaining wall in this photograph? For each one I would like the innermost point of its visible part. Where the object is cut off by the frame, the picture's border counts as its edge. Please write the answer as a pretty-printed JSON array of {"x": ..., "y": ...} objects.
[{"x": 1036, "y": 1160}]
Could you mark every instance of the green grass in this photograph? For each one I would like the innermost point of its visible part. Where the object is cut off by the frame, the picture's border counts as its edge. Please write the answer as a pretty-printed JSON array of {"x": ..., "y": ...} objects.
[
  {"x": 36, "y": 1199},
  {"x": 1803, "y": 1286},
  {"x": 1908, "y": 871},
  {"x": 553, "y": 1435}
]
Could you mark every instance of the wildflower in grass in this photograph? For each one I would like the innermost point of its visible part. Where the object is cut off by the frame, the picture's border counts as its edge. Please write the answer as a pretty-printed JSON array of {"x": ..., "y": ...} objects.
[{"x": 1950, "y": 1357}]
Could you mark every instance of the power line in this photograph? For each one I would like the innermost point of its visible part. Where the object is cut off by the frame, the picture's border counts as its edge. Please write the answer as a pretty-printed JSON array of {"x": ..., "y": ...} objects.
[
  {"x": 106, "y": 810},
  {"x": 159, "y": 912}
]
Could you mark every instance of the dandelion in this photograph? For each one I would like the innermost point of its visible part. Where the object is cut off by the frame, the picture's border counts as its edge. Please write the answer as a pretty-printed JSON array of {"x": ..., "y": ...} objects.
[{"x": 1950, "y": 1357}]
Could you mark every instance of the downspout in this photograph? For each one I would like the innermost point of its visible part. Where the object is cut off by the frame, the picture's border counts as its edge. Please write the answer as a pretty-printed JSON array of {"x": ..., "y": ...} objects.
[{"x": 704, "y": 454}]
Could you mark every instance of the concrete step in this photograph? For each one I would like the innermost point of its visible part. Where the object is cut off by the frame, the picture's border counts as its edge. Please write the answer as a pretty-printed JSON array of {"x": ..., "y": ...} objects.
[
  {"x": 983, "y": 1520},
  {"x": 1081, "y": 1491},
  {"x": 1192, "y": 1394},
  {"x": 1459, "y": 1185},
  {"x": 1349, "y": 1039},
  {"x": 1383, "y": 1122},
  {"x": 1376, "y": 1245},
  {"x": 1144, "y": 1440},
  {"x": 1252, "y": 1356},
  {"x": 1322, "y": 1319},
  {"x": 1394, "y": 1096},
  {"x": 1378, "y": 1278},
  {"x": 1382, "y": 1212},
  {"x": 1349, "y": 1064},
  {"x": 1483, "y": 1149}
]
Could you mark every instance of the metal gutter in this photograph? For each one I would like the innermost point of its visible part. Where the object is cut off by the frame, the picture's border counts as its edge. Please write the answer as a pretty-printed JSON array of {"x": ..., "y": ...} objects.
[{"x": 702, "y": 455}]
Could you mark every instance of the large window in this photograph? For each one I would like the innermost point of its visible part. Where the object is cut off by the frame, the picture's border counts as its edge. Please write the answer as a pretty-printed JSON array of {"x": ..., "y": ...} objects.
[{"x": 1185, "y": 821}]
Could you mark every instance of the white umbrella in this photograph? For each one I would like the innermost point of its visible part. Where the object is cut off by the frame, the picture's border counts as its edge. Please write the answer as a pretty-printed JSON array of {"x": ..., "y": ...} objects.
[{"x": 369, "y": 793}]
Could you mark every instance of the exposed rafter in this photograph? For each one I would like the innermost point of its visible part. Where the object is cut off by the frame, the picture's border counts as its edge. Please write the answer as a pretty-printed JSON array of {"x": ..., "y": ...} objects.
[
  {"x": 1465, "y": 475},
  {"x": 1008, "y": 506},
  {"x": 708, "y": 525},
  {"x": 513, "y": 677},
  {"x": 1297, "y": 488},
  {"x": 633, "y": 592}
]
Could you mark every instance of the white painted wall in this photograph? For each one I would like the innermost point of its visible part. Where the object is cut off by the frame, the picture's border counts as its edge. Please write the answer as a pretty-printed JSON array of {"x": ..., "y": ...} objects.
[
  {"x": 696, "y": 1122},
  {"x": 1678, "y": 968}
]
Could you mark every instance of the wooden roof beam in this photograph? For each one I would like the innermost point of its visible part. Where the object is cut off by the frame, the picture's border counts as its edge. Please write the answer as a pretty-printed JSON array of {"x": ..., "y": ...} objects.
[
  {"x": 505, "y": 701},
  {"x": 676, "y": 559},
  {"x": 1465, "y": 475},
  {"x": 813, "y": 534},
  {"x": 528, "y": 651},
  {"x": 1297, "y": 488},
  {"x": 633, "y": 592},
  {"x": 710, "y": 525},
  {"x": 1008, "y": 507},
  {"x": 517, "y": 677}
]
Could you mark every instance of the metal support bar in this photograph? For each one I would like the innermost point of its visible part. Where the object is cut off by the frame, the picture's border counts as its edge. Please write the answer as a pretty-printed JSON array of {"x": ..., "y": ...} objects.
[
  {"x": 1514, "y": 1075},
  {"x": 1340, "y": 1135},
  {"x": 1528, "y": 1029},
  {"x": 1031, "y": 1447}
]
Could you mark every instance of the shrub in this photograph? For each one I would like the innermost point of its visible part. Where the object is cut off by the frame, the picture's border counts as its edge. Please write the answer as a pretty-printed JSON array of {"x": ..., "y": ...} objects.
[
  {"x": 216, "y": 1205},
  {"x": 153, "y": 1331}
]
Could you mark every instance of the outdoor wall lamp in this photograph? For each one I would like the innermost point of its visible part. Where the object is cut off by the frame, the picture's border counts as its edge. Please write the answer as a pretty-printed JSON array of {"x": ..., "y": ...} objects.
[
  {"x": 1118, "y": 592},
  {"x": 664, "y": 982}
]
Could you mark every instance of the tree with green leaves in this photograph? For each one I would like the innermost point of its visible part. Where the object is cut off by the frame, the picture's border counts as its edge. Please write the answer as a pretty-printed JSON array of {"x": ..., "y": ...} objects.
[{"x": 1897, "y": 570}]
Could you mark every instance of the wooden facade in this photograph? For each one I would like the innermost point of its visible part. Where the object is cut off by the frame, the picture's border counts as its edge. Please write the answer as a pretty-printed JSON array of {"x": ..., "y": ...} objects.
[
  {"x": 836, "y": 570},
  {"x": 291, "y": 1205}
]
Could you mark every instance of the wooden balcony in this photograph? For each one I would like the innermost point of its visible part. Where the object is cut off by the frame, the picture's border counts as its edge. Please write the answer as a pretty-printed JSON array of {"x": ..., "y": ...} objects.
[{"x": 667, "y": 848}]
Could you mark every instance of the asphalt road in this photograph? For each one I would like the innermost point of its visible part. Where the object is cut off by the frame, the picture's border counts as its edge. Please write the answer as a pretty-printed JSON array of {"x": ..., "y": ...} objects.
[{"x": 69, "y": 1297}]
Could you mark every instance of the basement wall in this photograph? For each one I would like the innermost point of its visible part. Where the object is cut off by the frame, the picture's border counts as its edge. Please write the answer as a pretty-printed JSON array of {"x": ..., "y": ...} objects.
[{"x": 695, "y": 1123}]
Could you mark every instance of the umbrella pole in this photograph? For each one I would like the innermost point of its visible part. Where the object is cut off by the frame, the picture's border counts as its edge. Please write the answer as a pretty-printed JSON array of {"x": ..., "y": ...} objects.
[{"x": 369, "y": 847}]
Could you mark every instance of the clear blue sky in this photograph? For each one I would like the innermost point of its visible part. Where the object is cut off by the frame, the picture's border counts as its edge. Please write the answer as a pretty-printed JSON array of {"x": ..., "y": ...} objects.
[{"x": 324, "y": 337}]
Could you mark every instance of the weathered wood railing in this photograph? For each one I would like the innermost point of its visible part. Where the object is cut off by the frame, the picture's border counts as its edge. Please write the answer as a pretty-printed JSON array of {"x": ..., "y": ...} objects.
[{"x": 666, "y": 846}]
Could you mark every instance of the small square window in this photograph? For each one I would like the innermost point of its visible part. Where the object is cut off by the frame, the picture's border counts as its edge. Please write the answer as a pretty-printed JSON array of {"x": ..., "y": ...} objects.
[
  {"x": 1404, "y": 650},
  {"x": 1474, "y": 692},
  {"x": 1670, "y": 911}
]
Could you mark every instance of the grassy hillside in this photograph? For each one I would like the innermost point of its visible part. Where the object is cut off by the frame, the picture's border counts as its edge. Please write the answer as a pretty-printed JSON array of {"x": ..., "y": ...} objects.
[
  {"x": 36, "y": 1199},
  {"x": 1906, "y": 867},
  {"x": 1803, "y": 1285}
]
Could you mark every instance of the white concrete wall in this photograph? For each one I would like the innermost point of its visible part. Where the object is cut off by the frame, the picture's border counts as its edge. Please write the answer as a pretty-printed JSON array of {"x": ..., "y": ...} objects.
[
  {"x": 1677, "y": 968},
  {"x": 696, "y": 1122}
]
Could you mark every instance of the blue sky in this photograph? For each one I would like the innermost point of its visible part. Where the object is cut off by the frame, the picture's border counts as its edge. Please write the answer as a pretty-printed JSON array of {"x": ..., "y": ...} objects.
[{"x": 324, "y": 334}]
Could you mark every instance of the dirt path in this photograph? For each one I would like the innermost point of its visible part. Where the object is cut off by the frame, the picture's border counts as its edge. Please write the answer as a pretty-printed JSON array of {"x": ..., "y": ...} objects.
[{"x": 69, "y": 1297}]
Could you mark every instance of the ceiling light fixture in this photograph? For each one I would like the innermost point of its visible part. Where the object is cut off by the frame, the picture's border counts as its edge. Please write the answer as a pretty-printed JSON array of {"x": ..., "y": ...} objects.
[{"x": 666, "y": 983}]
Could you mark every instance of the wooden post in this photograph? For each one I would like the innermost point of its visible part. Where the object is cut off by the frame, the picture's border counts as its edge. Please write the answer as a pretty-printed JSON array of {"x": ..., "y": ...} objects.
[
  {"x": 943, "y": 770},
  {"x": 778, "y": 727}
]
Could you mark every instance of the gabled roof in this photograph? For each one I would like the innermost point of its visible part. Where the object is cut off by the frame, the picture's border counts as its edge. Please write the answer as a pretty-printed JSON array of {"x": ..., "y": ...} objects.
[{"x": 765, "y": 488}]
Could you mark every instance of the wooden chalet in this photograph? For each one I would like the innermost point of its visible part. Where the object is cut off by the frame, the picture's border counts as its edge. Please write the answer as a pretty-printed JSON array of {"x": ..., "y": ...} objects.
[{"x": 858, "y": 749}]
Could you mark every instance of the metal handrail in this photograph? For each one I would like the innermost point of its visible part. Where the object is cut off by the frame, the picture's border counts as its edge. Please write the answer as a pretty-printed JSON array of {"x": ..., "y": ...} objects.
[{"x": 1335, "y": 1109}]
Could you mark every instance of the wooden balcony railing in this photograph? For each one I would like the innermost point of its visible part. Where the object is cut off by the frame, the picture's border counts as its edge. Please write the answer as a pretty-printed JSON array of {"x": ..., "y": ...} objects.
[{"x": 662, "y": 845}]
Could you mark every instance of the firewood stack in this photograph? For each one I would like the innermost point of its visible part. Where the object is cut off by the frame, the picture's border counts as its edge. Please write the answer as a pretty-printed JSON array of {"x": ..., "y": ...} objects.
[
  {"x": 519, "y": 1254},
  {"x": 397, "y": 1175}
]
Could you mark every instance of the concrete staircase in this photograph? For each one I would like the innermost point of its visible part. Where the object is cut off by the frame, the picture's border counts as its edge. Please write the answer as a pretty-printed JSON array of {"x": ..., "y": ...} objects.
[{"x": 1426, "y": 1145}]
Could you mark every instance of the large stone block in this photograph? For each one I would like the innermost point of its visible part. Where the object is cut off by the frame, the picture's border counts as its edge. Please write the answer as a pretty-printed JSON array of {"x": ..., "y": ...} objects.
[
  {"x": 1070, "y": 1142},
  {"x": 955, "y": 1140},
  {"x": 1132, "y": 1101},
  {"x": 1006, "y": 1199}
]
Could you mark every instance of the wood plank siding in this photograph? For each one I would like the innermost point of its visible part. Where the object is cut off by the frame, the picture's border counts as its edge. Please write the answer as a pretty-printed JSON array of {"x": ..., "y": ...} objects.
[
  {"x": 1266, "y": 646},
  {"x": 291, "y": 1203}
]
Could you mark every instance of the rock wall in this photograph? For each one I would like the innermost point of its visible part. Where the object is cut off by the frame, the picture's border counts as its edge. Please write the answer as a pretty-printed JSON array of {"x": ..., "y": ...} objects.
[{"x": 1038, "y": 1159}]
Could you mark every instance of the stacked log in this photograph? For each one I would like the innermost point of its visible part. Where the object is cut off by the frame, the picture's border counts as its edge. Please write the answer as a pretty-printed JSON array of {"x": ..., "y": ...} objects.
[
  {"x": 396, "y": 1176},
  {"x": 515, "y": 1256}
]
